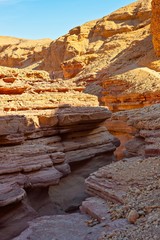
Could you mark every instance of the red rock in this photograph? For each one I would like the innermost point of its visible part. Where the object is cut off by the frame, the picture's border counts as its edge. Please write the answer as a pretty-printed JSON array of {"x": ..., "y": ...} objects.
[{"x": 133, "y": 216}]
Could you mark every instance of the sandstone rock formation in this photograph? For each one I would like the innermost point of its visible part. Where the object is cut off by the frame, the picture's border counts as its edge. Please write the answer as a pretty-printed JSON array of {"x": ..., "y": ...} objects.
[
  {"x": 122, "y": 187},
  {"x": 129, "y": 90},
  {"x": 51, "y": 125},
  {"x": 138, "y": 130},
  {"x": 26, "y": 90},
  {"x": 41, "y": 134},
  {"x": 130, "y": 185},
  {"x": 155, "y": 28},
  {"x": 22, "y": 53},
  {"x": 110, "y": 57}
]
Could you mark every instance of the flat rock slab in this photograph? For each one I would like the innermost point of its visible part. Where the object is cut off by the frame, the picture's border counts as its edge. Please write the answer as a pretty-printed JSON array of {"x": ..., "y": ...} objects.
[
  {"x": 65, "y": 227},
  {"x": 96, "y": 208},
  {"x": 10, "y": 194}
]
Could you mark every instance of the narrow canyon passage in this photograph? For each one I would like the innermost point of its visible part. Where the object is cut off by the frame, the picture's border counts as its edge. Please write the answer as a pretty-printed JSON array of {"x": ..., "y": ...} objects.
[
  {"x": 61, "y": 199},
  {"x": 80, "y": 131}
]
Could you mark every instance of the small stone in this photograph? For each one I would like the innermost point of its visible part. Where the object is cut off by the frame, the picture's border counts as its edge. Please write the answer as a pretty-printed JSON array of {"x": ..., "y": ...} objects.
[
  {"x": 133, "y": 216},
  {"x": 141, "y": 213},
  {"x": 137, "y": 191}
]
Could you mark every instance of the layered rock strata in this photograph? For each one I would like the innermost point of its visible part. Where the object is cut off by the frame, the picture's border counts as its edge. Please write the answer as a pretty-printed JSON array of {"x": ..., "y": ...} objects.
[
  {"x": 129, "y": 187},
  {"x": 36, "y": 150},
  {"x": 45, "y": 126},
  {"x": 129, "y": 91},
  {"x": 37, "y": 147},
  {"x": 25, "y": 90},
  {"x": 121, "y": 189},
  {"x": 138, "y": 131},
  {"x": 41, "y": 135},
  {"x": 112, "y": 58}
]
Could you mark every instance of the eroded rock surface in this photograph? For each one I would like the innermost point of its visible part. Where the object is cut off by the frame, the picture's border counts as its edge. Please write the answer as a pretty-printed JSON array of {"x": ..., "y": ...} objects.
[
  {"x": 155, "y": 28},
  {"x": 110, "y": 57},
  {"x": 131, "y": 185},
  {"x": 49, "y": 121},
  {"x": 37, "y": 148},
  {"x": 138, "y": 130},
  {"x": 75, "y": 226},
  {"x": 121, "y": 189},
  {"x": 22, "y": 53}
]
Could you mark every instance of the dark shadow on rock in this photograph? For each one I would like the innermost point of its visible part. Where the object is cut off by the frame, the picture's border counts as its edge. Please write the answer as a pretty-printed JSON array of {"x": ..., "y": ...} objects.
[
  {"x": 127, "y": 59},
  {"x": 28, "y": 143}
]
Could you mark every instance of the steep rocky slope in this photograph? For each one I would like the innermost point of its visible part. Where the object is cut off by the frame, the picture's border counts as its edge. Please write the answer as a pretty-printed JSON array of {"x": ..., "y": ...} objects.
[
  {"x": 37, "y": 148},
  {"x": 155, "y": 28},
  {"x": 51, "y": 126},
  {"x": 138, "y": 130},
  {"x": 131, "y": 190},
  {"x": 126, "y": 206},
  {"x": 22, "y": 53},
  {"x": 112, "y": 57},
  {"x": 45, "y": 128}
]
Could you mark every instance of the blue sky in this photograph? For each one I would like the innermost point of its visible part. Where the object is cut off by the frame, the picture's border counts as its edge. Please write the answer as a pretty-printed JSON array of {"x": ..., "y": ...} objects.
[{"x": 36, "y": 19}]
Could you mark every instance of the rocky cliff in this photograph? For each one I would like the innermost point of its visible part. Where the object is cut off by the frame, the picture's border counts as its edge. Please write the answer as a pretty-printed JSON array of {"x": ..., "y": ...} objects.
[
  {"x": 36, "y": 150},
  {"x": 138, "y": 130},
  {"x": 45, "y": 128},
  {"x": 37, "y": 147},
  {"x": 22, "y": 53},
  {"x": 110, "y": 57},
  {"x": 155, "y": 28},
  {"x": 53, "y": 133},
  {"x": 130, "y": 190}
]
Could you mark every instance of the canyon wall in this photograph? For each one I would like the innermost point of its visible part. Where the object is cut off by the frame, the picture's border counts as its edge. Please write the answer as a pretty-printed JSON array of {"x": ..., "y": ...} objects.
[
  {"x": 111, "y": 57},
  {"x": 22, "y": 53},
  {"x": 52, "y": 122},
  {"x": 36, "y": 147},
  {"x": 138, "y": 130},
  {"x": 45, "y": 127},
  {"x": 155, "y": 27}
]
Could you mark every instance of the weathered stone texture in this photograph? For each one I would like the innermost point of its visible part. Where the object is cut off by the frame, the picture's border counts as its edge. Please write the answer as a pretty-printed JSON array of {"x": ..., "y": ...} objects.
[
  {"x": 138, "y": 130},
  {"x": 36, "y": 148},
  {"x": 155, "y": 25}
]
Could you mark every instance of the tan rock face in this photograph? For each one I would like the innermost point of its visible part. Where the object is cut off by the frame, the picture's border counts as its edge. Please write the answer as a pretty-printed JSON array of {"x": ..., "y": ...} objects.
[
  {"x": 22, "y": 53},
  {"x": 72, "y": 68},
  {"x": 155, "y": 27},
  {"x": 123, "y": 20},
  {"x": 50, "y": 120},
  {"x": 111, "y": 57},
  {"x": 26, "y": 90}
]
